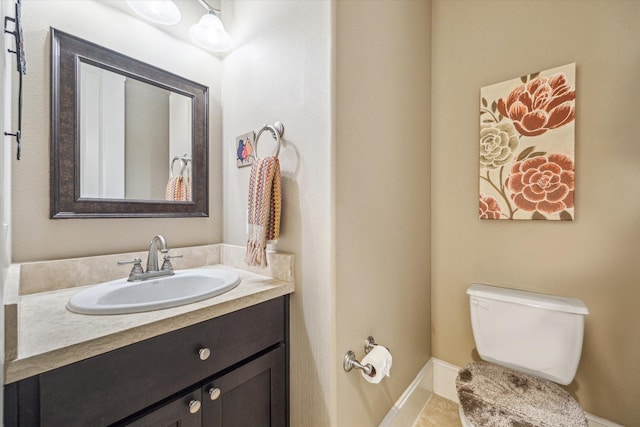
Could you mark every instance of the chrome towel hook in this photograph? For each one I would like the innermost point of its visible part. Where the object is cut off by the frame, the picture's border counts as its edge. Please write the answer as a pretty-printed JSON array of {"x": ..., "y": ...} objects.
[
  {"x": 184, "y": 163},
  {"x": 277, "y": 130}
]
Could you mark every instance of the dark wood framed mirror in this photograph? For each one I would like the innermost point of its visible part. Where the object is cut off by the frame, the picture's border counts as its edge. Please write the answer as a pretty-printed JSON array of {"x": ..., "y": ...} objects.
[{"x": 128, "y": 139}]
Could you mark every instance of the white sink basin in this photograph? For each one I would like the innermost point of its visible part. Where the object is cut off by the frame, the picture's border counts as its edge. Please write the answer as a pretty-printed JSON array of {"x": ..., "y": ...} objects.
[{"x": 121, "y": 296}]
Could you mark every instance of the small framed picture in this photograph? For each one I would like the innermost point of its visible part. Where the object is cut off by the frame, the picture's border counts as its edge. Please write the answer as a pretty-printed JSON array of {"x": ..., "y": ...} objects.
[{"x": 245, "y": 149}]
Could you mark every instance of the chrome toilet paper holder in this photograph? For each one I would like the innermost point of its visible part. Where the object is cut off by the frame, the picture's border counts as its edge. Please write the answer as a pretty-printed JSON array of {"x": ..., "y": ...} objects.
[{"x": 351, "y": 362}]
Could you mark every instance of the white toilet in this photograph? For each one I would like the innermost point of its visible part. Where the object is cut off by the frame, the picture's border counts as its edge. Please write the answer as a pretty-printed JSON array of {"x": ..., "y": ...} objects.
[{"x": 531, "y": 342}]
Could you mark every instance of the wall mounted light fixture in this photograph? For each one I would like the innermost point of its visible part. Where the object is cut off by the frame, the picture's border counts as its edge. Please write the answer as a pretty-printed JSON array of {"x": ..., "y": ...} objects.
[
  {"x": 163, "y": 12},
  {"x": 209, "y": 33}
]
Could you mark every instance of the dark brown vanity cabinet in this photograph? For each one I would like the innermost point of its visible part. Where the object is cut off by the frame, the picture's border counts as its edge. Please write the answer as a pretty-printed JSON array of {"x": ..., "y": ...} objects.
[{"x": 228, "y": 371}]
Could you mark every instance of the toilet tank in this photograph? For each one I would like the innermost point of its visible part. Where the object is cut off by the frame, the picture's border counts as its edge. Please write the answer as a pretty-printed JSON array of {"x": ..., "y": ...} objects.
[{"x": 530, "y": 332}]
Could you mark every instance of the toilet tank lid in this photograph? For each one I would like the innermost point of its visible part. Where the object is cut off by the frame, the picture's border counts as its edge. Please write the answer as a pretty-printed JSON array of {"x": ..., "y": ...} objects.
[{"x": 532, "y": 299}]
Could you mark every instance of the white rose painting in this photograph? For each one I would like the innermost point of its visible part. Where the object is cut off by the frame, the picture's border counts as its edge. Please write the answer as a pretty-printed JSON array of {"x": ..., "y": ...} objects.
[{"x": 527, "y": 134}]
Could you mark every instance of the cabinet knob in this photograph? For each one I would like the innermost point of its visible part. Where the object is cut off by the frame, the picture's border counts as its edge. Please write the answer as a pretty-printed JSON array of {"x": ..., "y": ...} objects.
[
  {"x": 204, "y": 353},
  {"x": 214, "y": 393},
  {"x": 194, "y": 406}
]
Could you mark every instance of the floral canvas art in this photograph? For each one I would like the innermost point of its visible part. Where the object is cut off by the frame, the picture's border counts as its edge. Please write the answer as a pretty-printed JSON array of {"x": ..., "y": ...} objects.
[{"x": 527, "y": 134}]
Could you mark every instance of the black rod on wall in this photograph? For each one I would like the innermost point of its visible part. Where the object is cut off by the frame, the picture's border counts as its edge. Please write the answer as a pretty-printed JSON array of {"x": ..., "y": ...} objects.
[{"x": 21, "y": 68}]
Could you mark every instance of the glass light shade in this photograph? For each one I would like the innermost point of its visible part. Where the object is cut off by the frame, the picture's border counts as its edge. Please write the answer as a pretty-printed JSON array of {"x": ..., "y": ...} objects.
[
  {"x": 163, "y": 12},
  {"x": 210, "y": 34}
]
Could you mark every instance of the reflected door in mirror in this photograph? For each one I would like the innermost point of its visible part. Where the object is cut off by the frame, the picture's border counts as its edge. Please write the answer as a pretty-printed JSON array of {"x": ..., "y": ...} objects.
[{"x": 129, "y": 133}]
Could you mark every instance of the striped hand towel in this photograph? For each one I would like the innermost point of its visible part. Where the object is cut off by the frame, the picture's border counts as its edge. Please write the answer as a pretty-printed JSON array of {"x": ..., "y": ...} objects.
[
  {"x": 178, "y": 189},
  {"x": 265, "y": 198}
]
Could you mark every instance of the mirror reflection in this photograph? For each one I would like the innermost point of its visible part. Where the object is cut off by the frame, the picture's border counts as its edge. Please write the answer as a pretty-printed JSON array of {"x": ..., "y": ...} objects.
[{"x": 135, "y": 138}]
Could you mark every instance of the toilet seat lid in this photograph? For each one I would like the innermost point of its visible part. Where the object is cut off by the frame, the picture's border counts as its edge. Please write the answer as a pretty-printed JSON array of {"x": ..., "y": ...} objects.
[{"x": 494, "y": 395}]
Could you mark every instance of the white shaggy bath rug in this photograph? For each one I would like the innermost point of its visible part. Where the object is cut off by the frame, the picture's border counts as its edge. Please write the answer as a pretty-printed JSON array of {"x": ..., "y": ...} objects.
[{"x": 494, "y": 396}]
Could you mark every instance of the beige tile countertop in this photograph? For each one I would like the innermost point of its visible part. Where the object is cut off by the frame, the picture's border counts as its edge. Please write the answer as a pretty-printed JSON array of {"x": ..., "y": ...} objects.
[{"x": 41, "y": 334}]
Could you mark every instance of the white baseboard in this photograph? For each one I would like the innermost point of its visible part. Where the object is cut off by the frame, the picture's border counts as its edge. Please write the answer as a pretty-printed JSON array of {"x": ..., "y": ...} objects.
[
  {"x": 439, "y": 377},
  {"x": 600, "y": 422},
  {"x": 444, "y": 379},
  {"x": 412, "y": 402},
  {"x": 444, "y": 384}
]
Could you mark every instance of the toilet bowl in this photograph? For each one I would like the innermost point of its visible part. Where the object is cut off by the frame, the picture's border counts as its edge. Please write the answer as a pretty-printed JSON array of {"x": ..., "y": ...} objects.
[{"x": 529, "y": 343}]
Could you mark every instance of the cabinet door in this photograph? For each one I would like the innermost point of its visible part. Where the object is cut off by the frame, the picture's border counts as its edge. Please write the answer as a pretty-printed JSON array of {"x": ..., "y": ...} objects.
[
  {"x": 252, "y": 395},
  {"x": 184, "y": 411}
]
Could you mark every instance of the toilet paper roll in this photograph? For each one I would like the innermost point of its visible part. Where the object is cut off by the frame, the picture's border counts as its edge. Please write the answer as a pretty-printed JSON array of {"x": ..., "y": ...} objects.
[{"x": 381, "y": 360}]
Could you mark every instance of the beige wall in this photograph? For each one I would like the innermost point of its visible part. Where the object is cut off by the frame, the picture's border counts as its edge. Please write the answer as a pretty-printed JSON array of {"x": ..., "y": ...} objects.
[
  {"x": 280, "y": 69},
  {"x": 36, "y": 237},
  {"x": 7, "y": 71},
  {"x": 7, "y": 152},
  {"x": 382, "y": 196},
  {"x": 284, "y": 72},
  {"x": 595, "y": 257}
]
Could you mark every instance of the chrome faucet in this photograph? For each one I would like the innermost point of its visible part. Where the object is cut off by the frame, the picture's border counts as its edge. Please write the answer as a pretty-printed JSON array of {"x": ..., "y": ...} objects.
[
  {"x": 152, "y": 258},
  {"x": 138, "y": 274}
]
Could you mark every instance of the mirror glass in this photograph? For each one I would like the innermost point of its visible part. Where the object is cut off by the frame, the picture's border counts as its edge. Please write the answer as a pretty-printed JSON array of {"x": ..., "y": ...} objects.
[
  {"x": 130, "y": 134},
  {"x": 127, "y": 139}
]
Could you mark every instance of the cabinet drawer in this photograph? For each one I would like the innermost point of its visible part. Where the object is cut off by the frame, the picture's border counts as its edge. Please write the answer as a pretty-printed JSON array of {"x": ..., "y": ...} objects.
[{"x": 109, "y": 387}]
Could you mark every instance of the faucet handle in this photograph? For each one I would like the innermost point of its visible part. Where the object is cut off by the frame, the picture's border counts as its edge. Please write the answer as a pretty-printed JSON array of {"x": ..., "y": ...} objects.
[
  {"x": 137, "y": 267},
  {"x": 137, "y": 262},
  {"x": 166, "y": 265}
]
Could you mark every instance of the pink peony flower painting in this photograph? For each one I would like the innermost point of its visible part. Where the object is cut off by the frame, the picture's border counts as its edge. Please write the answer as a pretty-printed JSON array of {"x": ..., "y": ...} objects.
[{"x": 527, "y": 140}]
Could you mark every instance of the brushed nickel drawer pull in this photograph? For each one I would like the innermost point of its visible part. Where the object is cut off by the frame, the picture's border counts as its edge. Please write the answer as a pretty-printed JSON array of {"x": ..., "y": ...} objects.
[
  {"x": 194, "y": 406},
  {"x": 204, "y": 353},
  {"x": 214, "y": 393}
]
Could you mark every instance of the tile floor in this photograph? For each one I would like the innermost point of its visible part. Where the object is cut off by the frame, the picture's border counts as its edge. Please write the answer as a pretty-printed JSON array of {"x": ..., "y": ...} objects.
[{"x": 439, "y": 412}]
